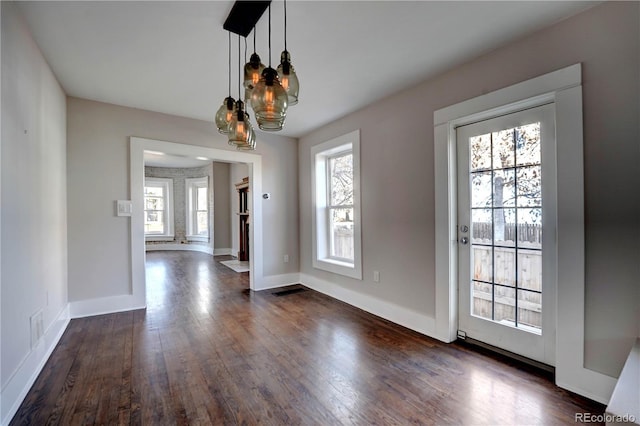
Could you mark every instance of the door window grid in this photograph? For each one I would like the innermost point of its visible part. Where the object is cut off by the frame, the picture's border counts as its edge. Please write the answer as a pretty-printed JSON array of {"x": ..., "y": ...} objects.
[{"x": 525, "y": 201}]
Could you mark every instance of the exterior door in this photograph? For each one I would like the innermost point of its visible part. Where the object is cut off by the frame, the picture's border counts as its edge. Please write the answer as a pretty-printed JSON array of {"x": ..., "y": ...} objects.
[{"x": 506, "y": 232}]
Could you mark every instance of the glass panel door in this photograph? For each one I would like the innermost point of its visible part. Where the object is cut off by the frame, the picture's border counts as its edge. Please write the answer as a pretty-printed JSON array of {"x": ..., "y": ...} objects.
[{"x": 505, "y": 274}]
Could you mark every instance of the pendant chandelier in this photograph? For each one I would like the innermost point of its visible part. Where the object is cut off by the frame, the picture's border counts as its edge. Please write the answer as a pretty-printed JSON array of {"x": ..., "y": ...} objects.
[
  {"x": 286, "y": 72},
  {"x": 241, "y": 132},
  {"x": 225, "y": 112},
  {"x": 269, "y": 92}
]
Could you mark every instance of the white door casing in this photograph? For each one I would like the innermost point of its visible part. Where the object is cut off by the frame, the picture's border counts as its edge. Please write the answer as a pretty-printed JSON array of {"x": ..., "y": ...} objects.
[{"x": 564, "y": 88}]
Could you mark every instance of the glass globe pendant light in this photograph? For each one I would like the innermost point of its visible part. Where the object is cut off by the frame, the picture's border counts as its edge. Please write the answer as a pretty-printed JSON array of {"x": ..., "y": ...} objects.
[
  {"x": 225, "y": 112},
  {"x": 252, "y": 70},
  {"x": 250, "y": 143},
  {"x": 240, "y": 130},
  {"x": 269, "y": 100},
  {"x": 286, "y": 72}
]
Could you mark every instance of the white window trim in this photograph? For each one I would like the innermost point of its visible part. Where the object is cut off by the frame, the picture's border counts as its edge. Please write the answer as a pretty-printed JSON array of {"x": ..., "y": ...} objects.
[
  {"x": 564, "y": 89},
  {"x": 189, "y": 184},
  {"x": 168, "y": 211},
  {"x": 320, "y": 233}
]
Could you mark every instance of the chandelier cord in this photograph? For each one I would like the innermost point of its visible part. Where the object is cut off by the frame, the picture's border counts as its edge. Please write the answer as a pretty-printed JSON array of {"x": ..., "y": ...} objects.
[
  {"x": 239, "y": 93},
  {"x": 229, "y": 49},
  {"x": 254, "y": 39},
  {"x": 245, "y": 56},
  {"x": 285, "y": 25},
  {"x": 269, "y": 35}
]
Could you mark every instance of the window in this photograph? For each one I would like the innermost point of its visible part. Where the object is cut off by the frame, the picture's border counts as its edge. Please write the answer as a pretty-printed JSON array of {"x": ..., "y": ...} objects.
[
  {"x": 197, "y": 209},
  {"x": 158, "y": 209},
  {"x": 336, "y": 221}
]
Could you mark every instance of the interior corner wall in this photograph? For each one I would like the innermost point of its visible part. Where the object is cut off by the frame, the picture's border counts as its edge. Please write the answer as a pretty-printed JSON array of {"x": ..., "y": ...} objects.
[
  {"x": 397, "y": 176},
  {"x": 98, "y": 174},
  {"x": 33, "y": 198},
  {"x": 237, "y": 172},
  {"x": 221, "y": 206}
]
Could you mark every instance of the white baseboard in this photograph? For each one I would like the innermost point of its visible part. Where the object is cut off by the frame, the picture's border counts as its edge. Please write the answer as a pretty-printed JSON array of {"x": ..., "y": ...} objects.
[
  {"x": 104, "y": 305},
  {"x": 21, "y": 381},
  {"x": 222, "y": 251},
  {"x": 275, "y": 281},
  {"x": 184, "y": 247},
  {"x": 389, "y": 311},
  {"x": 624, "y": 406}
]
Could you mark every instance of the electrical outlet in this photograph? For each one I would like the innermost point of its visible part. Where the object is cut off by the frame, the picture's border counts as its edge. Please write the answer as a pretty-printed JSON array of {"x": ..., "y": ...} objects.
[
  {"x": 286, "y": 258},
  {"x": 376, "y": 276},
  {"x": 37, "y": 328}
]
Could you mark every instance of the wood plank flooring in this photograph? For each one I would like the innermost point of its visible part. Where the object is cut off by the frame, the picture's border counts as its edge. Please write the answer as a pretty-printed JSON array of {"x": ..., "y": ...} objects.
[{"x": 208, "y": 351}]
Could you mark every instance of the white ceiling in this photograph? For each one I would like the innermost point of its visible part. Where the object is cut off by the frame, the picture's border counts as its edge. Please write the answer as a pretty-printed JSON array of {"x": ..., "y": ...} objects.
[{"x": 171, "y": 57}]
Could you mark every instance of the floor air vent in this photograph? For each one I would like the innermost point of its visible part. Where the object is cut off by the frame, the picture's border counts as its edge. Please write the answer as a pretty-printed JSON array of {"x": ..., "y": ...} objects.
[{"x": 289, "y": 291}]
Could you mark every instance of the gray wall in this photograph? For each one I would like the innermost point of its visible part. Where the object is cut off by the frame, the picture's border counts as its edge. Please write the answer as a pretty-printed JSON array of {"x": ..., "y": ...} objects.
[
  {"x": 398, "y": 180},
  {"x": 34, "y": 193},
  {"x": 221, "y": 206},
  {"x": 237, "y": 172},
  {"x": 98, "y": 174}
]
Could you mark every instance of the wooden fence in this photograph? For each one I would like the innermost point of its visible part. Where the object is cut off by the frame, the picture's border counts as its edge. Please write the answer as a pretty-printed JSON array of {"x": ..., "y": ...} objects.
[
  {"x": 343, "y": 241},
  {"x": 501, "y": 268},
  {"x": 528, "y": 233}
]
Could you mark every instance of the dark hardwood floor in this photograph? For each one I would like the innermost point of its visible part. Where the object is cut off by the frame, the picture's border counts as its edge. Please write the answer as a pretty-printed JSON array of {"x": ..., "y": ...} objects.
[{"x": 208, "y": 351}]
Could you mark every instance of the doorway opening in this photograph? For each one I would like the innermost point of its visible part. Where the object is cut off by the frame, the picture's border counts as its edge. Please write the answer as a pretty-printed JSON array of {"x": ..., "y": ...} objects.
[{"x": 138, "y": 146}]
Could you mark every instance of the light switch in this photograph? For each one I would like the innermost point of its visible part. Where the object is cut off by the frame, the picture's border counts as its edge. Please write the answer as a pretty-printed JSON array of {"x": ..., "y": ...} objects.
[{"x": 123, "y": 208}]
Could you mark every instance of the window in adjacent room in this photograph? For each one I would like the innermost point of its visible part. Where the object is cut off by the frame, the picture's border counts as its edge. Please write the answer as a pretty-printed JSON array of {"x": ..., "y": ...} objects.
[
  {"x": 158, "y": 209},
  {"x": 197, "y": 208},
  {"x": 336, "y": 212}
]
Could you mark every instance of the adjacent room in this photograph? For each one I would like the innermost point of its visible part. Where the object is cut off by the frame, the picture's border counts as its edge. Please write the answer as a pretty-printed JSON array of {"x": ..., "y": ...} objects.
[{"x": 320, "y": 212}]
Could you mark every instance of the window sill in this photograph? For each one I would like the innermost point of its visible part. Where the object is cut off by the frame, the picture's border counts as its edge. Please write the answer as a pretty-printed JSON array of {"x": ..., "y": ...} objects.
[
  {"x": 197, "y": 238},
  {"x": 159, "y": 238},
  {"x": 338, "y": 267}
]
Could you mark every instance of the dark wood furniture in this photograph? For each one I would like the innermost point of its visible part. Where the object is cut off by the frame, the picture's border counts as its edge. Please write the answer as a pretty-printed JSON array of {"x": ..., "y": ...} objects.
[{"x": 243, "y": 213}]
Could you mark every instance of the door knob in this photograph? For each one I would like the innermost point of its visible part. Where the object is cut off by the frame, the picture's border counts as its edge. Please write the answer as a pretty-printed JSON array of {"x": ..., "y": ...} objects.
[{"x": 464, "y": 240}]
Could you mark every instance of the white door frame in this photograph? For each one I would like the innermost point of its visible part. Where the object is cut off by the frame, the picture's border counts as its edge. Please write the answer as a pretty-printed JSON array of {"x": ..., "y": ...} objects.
[
  {"x": 137, "y": 148},
  {"x": 564, "y": 88}
]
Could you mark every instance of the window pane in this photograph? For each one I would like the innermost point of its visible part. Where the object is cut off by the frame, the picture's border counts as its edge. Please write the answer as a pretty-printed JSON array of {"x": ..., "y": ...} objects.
[
  {"x": 156, "y": 191},
  {"x": 504, "y": 227},
  {"x": 481, "y": 189},
  {"x": 504, "y": 191},
  {"x": 153, "y": 203},
  {"x": 341, "y": 233},
  {"x": 528, "y": 144},
  {"x": 341, "y": 180},
  {"x": 482, "y": 300},
  {"x": 529, "y": 309},
  {"x": 482, "y": 263},
  {"x": 505, "y": 306},
  {"x": 530, "y": 269},
  {"x": 154, "y": 222},
  {"x": 202, "y": 223},
  {"x": 530, "y": 228},
  {"x": 504, "y": 264},
  {"x": 480, "y": 150},
  {"x": 481, "y": 226},
  {"x": 529, "y": 186},
  {"x": 202, "y": 198},
  {"x": 503, "y": 149}
]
